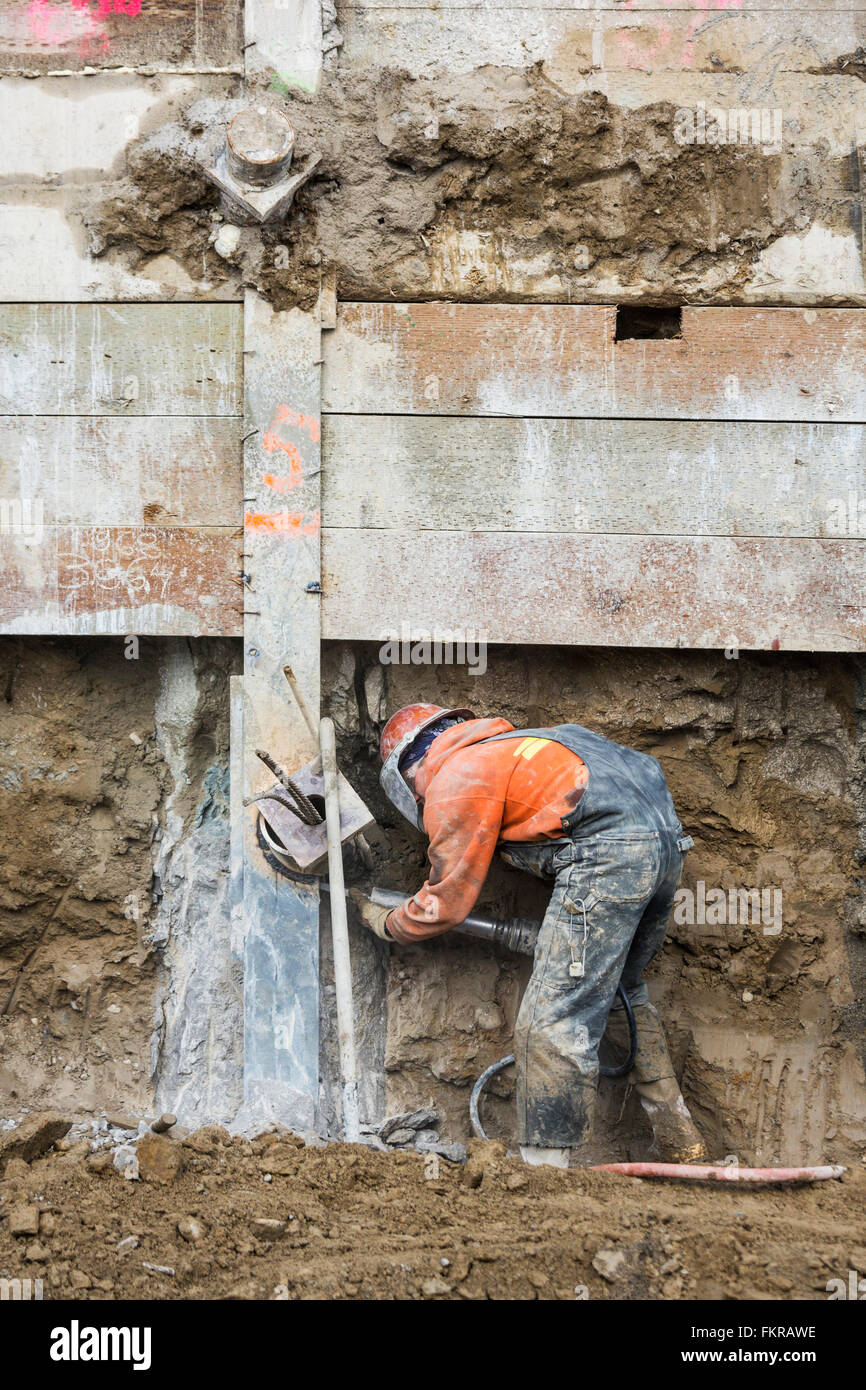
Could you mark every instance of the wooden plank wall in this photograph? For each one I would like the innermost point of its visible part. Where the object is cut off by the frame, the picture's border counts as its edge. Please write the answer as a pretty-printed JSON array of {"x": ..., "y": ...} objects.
[
  {"x": 516, "y": 469},
  {"x": 120, "y": 468},
  {"x": 578, "y": 37},
  {"x": 45, "y": 36}
]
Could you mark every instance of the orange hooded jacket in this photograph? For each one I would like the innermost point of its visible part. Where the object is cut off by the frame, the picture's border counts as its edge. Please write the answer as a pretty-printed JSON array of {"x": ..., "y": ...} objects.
[{"x": 475, "y": 795}]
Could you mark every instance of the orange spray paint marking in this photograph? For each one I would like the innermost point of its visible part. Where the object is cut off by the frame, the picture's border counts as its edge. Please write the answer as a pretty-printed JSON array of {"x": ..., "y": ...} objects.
[
  {"x": 287, "y": 523},
  {"x": 280, "y": 484},
  {"x": 310, "y": 423},
  {"x": 271, "y": 442}
]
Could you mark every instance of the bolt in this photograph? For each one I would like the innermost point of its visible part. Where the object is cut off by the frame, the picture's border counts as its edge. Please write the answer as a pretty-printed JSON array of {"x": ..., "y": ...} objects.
[{"x": 259, "y": 145}]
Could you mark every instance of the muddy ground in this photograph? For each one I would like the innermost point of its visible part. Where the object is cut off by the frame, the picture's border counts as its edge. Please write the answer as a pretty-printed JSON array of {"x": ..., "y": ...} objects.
[{"x": 350, "y": 1223}]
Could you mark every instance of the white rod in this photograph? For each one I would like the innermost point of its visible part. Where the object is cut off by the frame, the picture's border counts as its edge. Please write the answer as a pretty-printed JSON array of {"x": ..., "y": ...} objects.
[{"x": 340, "y": 936}]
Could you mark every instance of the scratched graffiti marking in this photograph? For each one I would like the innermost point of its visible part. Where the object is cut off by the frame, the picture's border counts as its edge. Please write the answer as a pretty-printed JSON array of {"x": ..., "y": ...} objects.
[
  {"x": 657, "y": 39},
  {"x": 110, "y": 569}
]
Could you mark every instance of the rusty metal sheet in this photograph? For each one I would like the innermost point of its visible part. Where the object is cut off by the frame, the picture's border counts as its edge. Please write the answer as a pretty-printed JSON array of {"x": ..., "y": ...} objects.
[
  {"x": 563, "y": 360},
  {"x": 620, "y": 591},
  {"x": 151, "y": 581}
]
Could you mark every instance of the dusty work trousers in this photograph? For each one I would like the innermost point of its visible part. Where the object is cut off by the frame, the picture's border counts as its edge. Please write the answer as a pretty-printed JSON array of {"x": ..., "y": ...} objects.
[{"x": 607, "y": 918}]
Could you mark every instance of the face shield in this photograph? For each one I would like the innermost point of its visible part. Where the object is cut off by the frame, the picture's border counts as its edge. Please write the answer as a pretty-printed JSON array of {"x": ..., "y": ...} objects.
[{"x": 391, "y": 779}]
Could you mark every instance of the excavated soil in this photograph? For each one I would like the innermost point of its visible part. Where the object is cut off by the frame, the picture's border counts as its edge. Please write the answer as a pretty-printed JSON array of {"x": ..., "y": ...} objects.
[
  {"x": 88, "y": 768},
  {"x": 360, "y": 1224}
]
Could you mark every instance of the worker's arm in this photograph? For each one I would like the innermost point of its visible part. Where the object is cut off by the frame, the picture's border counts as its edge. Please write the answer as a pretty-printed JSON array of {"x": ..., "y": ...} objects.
[{"x": 464, "y": 830}]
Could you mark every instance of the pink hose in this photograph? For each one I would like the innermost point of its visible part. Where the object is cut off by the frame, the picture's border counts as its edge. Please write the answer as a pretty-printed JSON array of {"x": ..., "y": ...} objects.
[{"x": 709, "y": 1172}]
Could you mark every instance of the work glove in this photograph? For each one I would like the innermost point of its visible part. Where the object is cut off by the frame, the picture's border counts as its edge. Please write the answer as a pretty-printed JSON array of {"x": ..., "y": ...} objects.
[{"x": 372, "y": 914}]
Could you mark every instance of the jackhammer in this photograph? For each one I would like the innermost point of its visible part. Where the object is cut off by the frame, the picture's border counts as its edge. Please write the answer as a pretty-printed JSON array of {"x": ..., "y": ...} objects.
[{"x": 518, "y": 934}]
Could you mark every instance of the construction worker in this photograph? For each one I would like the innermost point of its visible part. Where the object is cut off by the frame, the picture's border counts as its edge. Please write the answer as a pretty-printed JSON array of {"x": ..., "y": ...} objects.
[{"x": 597, "y": 818}]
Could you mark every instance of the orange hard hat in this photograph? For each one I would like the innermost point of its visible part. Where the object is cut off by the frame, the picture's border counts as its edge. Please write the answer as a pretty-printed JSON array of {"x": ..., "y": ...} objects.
[
  {"x": 401, "y": 723},
  {"x": 398, "y": 736}
]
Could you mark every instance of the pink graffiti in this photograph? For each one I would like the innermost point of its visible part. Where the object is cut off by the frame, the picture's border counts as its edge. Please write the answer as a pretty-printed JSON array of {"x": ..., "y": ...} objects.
[
  {"x": 81, "y": 20},
  {"x": 644, "y": 54}
]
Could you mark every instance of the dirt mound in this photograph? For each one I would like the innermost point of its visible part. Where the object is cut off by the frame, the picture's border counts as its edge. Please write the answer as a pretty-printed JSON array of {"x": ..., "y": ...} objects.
[{"x": 272, "y": 1218}]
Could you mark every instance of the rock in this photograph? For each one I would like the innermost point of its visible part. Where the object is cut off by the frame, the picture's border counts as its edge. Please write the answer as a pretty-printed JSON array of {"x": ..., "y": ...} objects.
[
  {"x": 401, "y": 1136},
  {"x": 610, "y": 1264},
  {"x": 99, "y": 1163},
  {"x": 125, "y": 1160},
  {"x": 36, "y": 1251},
  {"x": 267, "y": 1228},
  {"x": 163, "y": 1123},
  {"x": 47, "y": 1223},
  {"x": 33, "y": 1137},
  {"x": 435, "y": 1287},
  {"x": 79, "y": 1280},
  {"x": 515, "y": 1181},
  {"x": 415, "y": 1119},
  {"x": 159, "y": 1159},
  {"x": 280, "y": 1160},
  {"x": 128, "y": 1243},
  {"x": 17, "y": 1170},
  {"x": 24, "y": 1219},
  {"x": 484, "y": 1156},
  {"x": 454, "y": 1153},
  {"x": 191, "y": 1229},
  {"x": 80, "y": 1149},
  {"x": 207, "y": 1139},
  {"x": 490, "y": 1018},
  {"x": 121, "y": 1122}
]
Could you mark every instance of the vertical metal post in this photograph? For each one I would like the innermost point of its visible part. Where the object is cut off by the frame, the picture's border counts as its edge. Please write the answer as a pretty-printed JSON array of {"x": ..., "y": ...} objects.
[
  {"x": 281, "y": 626},
  {"x": 280, "y": 921},
  {"x": 340, "y": 936}
]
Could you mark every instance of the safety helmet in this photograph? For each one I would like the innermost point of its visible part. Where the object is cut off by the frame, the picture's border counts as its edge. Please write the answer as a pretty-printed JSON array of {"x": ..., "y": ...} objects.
[{"x": 398, "y": 736}]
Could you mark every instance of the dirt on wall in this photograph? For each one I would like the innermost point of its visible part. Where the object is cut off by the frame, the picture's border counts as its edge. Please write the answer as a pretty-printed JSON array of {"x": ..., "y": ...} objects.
[
  {"x": 766, "y": 1018},
  {"x": 84, "y": 782},
  {"x": 562, "y": 197}
]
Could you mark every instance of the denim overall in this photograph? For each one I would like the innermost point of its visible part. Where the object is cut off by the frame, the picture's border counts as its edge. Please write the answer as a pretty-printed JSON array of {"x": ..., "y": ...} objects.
[{"x": 616, "y": 873}]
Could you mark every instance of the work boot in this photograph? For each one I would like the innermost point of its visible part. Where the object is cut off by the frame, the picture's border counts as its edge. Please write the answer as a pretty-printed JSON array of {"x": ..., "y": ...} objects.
[{"x": 675, "y": 1135}]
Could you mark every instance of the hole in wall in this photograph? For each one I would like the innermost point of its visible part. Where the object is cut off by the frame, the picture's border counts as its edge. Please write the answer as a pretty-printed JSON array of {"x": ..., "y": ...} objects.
[{"x": 646, "y": 321}]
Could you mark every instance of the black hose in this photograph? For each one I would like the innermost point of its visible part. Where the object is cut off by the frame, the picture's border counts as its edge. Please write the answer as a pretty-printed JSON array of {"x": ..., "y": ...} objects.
[
  {"x": 622, "y": 1070},
  {"x": 625, "y": 1067}
]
